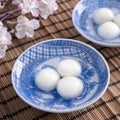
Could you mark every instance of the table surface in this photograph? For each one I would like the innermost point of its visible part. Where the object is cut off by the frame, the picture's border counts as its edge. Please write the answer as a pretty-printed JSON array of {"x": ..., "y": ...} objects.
[{"x": 58, "y": 25}]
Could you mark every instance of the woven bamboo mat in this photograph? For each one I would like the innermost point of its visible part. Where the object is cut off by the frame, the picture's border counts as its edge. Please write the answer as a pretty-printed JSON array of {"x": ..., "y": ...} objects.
[{"x": 58, "y": 25}]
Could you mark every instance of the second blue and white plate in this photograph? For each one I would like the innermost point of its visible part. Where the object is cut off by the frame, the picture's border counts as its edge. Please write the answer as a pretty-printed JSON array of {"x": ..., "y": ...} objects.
[{"x": 83, "y": 22}]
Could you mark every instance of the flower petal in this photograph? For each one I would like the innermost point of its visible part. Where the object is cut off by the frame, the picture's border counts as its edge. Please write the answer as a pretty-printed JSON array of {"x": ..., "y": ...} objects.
[
  {"x": 20, "y": 34},
  {"x": 44, "y": 15},
  {"x": 16, "y": 2},
  {"x": 55, "y": 6},
  {"x": 2, "y": 53},
  {"x": 30, "y": 33},
  {"x": 3, "y": 49},
  {"x": 19, "y": 27},
  {"x": 22, "y": 19},
  {"x": 47, "y": 7},
  {"x": 2, "y": 32},
  {"x": 35, "y": 12},
  {"x": 1, "y": 24},
  {"x": 34, "y": 24},
  {"x": 9, "y": 38}
]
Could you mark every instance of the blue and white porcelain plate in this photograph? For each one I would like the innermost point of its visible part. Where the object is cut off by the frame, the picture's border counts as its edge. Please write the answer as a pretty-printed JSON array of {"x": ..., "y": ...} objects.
[
  {"x": 83, "y": 22},
  {"x": 95, "y": 74}
]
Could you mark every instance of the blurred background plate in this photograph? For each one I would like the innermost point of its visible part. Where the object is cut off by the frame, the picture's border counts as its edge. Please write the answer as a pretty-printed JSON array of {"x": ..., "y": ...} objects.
[{"x": 82, "y": 20}]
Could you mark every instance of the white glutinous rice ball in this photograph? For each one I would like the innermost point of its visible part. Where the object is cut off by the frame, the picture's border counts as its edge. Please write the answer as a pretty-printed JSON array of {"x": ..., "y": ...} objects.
[
  {"x": 69, "y": 87},
  {"x": 102, "y": 15},
  {"x": 108, "y": 30},
  {"x": 69, "y": 67},
  {"x": 47, "y": 79},
  {"x": 117, "y": 19}
]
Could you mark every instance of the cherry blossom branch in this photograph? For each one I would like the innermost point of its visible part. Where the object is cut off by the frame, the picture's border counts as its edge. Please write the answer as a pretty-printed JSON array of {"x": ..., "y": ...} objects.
[
  {"x": 23, "y": 27},
  {"x": 7, "y": 14}
]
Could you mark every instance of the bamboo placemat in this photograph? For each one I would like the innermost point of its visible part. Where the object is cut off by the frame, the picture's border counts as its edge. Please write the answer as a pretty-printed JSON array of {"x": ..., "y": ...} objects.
[{"x": 58, "y": 25}]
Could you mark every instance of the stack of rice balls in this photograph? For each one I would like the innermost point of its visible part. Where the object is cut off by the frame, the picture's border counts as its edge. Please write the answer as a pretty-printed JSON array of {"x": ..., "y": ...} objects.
[
  {"x": 108, "y": 23},
  {"x": 64, "y": 78}
]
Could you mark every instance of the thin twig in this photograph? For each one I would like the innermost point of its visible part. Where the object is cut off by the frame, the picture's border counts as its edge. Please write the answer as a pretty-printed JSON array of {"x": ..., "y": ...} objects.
[
  {"x": 3, "y": 3},
  {"x": 5, "y": 15}
]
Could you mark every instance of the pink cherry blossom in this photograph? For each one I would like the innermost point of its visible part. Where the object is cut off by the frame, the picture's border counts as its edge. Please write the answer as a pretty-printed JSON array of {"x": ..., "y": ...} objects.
[
  {"x": 5, "y": 39},
  {"x": 44, "y": 8},
  {"x": 26, "y": 27},
  {"x": 30, "y": 6},
  {"x": 47, "y": 7}
]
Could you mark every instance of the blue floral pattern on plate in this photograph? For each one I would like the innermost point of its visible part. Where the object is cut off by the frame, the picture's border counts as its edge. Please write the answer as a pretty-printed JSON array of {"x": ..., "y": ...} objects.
[
  {"x": 95, "y": 74},
  {"x": 82, "y": 19}
]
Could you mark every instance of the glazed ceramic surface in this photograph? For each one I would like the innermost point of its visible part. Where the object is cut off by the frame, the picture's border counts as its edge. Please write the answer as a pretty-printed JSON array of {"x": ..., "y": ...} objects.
[
  {"x": 83, "y": 20},
  {"x": 95, "y": 74}
]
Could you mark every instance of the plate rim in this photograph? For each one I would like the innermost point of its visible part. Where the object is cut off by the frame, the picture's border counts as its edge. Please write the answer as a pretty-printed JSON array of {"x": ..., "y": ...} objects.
[
  {"x": 62, "y": 111},
  {"x": 84, "y": 35}
]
